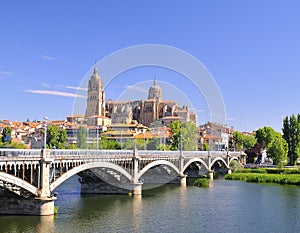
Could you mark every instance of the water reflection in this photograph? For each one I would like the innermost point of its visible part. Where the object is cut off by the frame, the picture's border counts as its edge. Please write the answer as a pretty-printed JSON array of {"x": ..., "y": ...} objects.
[
  {"x": 46, "y": 224},
  {"x": 137, "y": 207},
  {"x": 226, "y": 206}
]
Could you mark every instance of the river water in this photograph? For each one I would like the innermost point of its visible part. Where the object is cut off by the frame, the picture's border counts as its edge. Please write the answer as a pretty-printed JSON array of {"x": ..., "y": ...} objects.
[{"x": 226, "y": 206}]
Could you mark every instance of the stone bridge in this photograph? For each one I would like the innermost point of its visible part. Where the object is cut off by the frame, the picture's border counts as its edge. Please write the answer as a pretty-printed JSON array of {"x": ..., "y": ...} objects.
[{"x": 28, "y": 178}]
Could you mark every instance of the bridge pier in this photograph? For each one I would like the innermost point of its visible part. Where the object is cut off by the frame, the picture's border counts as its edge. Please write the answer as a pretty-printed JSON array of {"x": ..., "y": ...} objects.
[
  {"x": 44, "y": 189},
  {"x": 211, "y": 175},
  {"x": 137, "y": 189},
  {"x": 137, "y": 185},
  {"x": 16, "y": 205},
  {"x": 183, "y": 181}
]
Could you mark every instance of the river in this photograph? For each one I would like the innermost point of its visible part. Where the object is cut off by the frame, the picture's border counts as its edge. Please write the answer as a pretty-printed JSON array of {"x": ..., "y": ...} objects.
[{"x": 226, "y": 206}]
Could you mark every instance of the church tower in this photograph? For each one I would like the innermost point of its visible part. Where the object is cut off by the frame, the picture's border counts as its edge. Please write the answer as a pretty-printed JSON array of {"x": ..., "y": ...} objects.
[{"x": 96, "y": 98}]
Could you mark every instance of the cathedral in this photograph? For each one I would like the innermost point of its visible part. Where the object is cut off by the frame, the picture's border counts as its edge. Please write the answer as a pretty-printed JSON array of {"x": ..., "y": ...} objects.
[
  {"x": 95, "y": 100},
  {"x": 145, "y": 112}
]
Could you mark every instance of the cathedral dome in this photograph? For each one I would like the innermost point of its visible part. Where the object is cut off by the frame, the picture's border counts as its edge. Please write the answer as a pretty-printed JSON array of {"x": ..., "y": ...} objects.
[{"x": 155, "y": 91}]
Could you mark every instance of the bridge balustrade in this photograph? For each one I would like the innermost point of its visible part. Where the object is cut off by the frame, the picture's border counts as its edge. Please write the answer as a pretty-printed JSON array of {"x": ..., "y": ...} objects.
[
  {"x": 155, "y": 153},
  {"x": 91, "y": 153},
  {"x": 20, "y": 152}
]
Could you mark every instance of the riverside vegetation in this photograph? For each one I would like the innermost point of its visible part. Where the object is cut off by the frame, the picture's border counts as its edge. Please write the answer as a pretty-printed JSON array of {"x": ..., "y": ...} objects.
[
  {"x": 267, "y": 175},
  {"x": 202, "y": 182}
]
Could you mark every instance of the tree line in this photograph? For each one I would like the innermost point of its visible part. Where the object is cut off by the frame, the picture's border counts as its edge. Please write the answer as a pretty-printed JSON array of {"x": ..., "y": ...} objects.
[
  {"x": 283, "y": 148},
  {"x": 183, "y": 136}
]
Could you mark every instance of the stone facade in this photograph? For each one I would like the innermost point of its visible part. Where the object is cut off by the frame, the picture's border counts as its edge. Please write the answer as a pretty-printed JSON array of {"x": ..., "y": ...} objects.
[
  {"x": 15, "y": 205},
  {"x": 96, "y": 99},
  {"x": 124, "y": 112},
  {"x": 148, "y": 111}
]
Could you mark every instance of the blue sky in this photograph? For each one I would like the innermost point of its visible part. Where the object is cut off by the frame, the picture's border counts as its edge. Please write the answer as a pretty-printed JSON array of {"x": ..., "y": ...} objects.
[{"x": 252, "y": 49}]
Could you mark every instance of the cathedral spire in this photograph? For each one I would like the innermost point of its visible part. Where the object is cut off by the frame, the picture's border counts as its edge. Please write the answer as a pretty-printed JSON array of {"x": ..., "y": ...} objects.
[
  {"x": 95, "y": 70},
  {"x": 155, "y": 91}
]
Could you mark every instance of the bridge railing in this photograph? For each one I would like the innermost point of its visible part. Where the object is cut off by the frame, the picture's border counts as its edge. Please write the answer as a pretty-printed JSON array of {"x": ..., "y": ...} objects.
[
  {"x": 7, "y": 152},
  {"x": 158, "y": 153},
  {"x": 20, "y": 152},
  {"x": 91, "y": 153}
]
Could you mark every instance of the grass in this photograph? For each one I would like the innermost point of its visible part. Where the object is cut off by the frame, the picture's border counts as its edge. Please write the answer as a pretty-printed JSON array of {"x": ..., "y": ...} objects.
[
  {"x": 202, "y": 182},
  {"x": 267, "y": 175}
]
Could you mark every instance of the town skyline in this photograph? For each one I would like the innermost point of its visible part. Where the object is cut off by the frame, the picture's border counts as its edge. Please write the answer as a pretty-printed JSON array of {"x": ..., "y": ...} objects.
[{"x": 251, "y": 50}]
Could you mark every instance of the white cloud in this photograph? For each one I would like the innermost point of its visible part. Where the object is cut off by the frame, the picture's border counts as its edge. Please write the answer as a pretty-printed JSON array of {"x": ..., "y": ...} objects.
[
  {"x": 6, "y": 73},
  {"x": 56, "y": 93},
  {"x": 137, "y": 88},
  {"x": 196, "y": 110},
  {"x": 46, "y": 85},
  {"x": 75, "y": 88},
  {"x": 48, "y": 58},
  {"x": 229, "y": 119}
]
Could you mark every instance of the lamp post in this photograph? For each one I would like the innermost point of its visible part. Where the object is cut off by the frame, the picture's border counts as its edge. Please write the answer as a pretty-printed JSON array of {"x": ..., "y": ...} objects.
[
  {"x": 97, "y": 136},
  {"x": 180, "y": 138},
  {"x": 164, "y": 132},
  {"x": 45, "y": 132},
  {"x": 121, "y": 139},
  {"x": 87, "y": 138}
]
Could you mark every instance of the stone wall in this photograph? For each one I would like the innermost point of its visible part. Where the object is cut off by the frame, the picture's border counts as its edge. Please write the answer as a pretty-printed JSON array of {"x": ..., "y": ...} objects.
[{"x": 26, "y": 206}]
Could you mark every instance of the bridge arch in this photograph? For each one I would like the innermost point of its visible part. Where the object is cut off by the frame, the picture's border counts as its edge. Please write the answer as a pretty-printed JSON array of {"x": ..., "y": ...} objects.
[
  {"x": 86, "y": 166},
  {"x": 19, "y": 183},
  {"x": 218, "y": 159},
  {"x": 192, "y": 161},
  {"x": 156, "y": 163}
]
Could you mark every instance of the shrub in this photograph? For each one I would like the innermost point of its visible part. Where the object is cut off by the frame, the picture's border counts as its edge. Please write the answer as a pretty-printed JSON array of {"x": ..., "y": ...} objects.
[{"x": 202, "y": 182}]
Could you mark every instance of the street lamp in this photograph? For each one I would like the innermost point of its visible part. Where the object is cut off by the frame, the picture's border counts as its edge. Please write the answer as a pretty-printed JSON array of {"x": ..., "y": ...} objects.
[
  {"x": 121, "y": 139},
  {"x": 180, "y": 138},
  {"x": 87, "y": 138},
  {"x": 164, "y": 132},
  {"x": 45, "y": 132},
  {"x": 97, "y": 136}
]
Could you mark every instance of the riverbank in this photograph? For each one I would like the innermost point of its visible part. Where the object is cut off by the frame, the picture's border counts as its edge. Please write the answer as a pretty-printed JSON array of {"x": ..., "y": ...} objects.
[{"x": 267, "y": 175}]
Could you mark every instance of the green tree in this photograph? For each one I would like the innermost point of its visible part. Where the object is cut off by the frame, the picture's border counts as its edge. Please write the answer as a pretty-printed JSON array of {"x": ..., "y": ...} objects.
[
  {"x": 242, "y": 141},
  {"x": 71, "y": 147},
  {"x": 205, "y": 146},
  {"x": 249, "y": 141},
  {"x": 186, "y": 133},
  {"x": 238, "y": 142},
  {"x": 52, "y": 134},
  {"x": 291, "y": 133},
  {"x": 278, "y": 150},
  {"x": 61, "y": 139},
  {"x": 175, "y": 135},
  {"x": 55, "y": 137},
  {"x": 106, "y": 144},
  {"x": 81, "y": 138},
  {"x": 274, "y": 143},
  {"x": 17, "y": 145},
  {"x": 189, "y": 136},
  {"x": 265, "y": 136},
  {"x": 6, "y": 135},
  {"x": 140, "y": 144}
]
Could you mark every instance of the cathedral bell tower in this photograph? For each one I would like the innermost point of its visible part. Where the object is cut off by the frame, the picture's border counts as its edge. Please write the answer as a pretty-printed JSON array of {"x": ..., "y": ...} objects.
[{"x": 96, "y": 99}]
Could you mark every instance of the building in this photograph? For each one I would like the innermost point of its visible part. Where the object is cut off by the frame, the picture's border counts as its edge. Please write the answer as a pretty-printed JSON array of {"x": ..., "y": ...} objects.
[
  {"x": 216, "y": 136},
  {"x": 145, "y": 112},
  {"x": 95, "y": 100}
]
